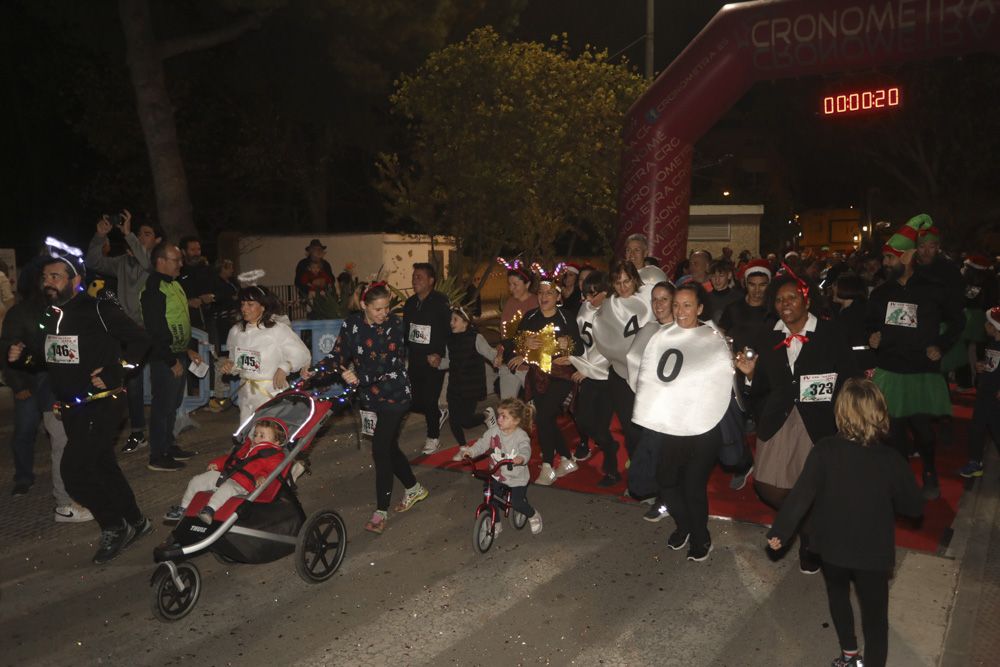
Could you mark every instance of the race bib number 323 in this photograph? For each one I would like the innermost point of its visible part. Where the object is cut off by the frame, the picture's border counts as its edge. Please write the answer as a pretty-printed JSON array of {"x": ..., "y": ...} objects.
[{"x": 817, "y": 388}]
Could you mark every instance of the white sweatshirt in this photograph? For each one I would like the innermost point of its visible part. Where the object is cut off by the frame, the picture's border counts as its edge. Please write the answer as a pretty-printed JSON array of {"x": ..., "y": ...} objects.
[{"x": 260, "y": 351}]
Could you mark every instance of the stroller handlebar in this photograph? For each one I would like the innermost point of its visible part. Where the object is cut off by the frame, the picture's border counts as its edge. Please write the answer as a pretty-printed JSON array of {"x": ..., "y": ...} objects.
[{"x": 484, "y": 474}]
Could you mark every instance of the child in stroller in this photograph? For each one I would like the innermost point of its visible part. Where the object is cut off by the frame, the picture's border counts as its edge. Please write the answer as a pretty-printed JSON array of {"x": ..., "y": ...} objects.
[{"x": 239, "y": 472}]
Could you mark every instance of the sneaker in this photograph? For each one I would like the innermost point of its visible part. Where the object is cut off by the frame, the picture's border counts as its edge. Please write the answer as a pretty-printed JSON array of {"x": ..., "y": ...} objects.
[
  {"x": 490, "y": 417},
  {"x": 582, "y": 452},
  {"x": 140, "y": 528},
  {"x": 175, "y": 513},
  {"x": 739, "y": 480},
  {"x": 376, "y": 524},
  {"x": 546, "y": 475},
  {"x": 165, "y": 464},
  {"x": 699, "y": 553},
  {"x": 657, "y": 512},
  {"x": 112, "y": 542},
  {"x": 412, "y": 497},
  {"x": 72, "y": 513},
  {"x": 430, "y": 446},
  {"x": 809, "y": 563},
  {"x": 972, "y": 469},
  {"x": 535, "y": 522},
  {"x": 218, "y": 404},
  {"x": 609, "y": 480},
  {"x": 178, "y": 454},
  {"x": 20, "y": 489},
  {"x": 931, "y": 489},
  {"x": 443, "y": 418},
  {"x": 843, "y": 661},
  {"x": 678, "y": 540},
  {"x": 207, "y": 516},
  {"x": 566, "y": 466},
  {"x": 137, "y": 440}
]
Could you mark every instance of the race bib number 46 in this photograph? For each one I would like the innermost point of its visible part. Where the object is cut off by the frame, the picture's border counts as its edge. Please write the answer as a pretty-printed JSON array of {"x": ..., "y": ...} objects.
[
  {"x": 992, "y": 360},
  {"x": 900, "y": 314},
  {"x": 817, "y": 388},
  {"x": 420, "y": 333},
  {"x": 62, "y": 350}
]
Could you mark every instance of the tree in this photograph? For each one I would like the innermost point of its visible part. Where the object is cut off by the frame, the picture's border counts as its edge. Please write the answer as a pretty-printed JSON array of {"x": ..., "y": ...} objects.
[{"x": 512, "y": 145}]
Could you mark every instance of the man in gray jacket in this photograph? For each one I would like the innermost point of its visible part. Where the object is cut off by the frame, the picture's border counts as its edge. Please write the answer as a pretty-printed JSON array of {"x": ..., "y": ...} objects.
[{"x": 131, "y": 270}]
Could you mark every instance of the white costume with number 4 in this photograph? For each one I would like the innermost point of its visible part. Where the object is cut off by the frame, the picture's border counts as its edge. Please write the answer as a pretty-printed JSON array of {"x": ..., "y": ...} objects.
[{"x": 257, "y": 354}]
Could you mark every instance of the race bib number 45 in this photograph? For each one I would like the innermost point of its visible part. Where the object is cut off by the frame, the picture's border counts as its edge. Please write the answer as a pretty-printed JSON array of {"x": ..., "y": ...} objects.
[
  {"x": 817, "y": 388},
  {"x": 62, "y": 350},
  {"x": 420, "y": 333},
  {"x": 900, "y": 314}
]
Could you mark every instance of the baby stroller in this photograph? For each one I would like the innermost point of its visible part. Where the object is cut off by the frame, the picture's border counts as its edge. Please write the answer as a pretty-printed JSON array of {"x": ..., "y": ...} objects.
[{"x": 267, "y": 524}]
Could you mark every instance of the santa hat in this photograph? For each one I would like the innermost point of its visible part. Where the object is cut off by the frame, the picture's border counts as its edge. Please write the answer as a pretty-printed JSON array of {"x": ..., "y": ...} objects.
[
  {"x": 993, "y": 316},
  {"x": 760, "y": 266},
  {"x": 918, "y": 229},
  {"x": 572, "y": 267},
  {"x": 977, "y": 261},
  {"x": 791, "y": 253}
]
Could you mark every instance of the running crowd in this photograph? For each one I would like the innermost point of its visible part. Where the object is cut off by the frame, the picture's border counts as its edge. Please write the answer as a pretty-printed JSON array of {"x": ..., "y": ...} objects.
[{"x": 838, "y": 365}]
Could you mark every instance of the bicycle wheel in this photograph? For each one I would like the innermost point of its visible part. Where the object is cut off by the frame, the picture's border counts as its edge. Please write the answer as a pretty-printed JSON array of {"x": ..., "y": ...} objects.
[{"x": 482, "y": 532}]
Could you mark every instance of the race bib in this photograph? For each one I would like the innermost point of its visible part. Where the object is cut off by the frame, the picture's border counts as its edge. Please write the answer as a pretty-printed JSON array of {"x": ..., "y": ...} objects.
[
  {"x": 248, "y": 360},
  {"x": 420, "y": 333},
  {"x": 62, "y": 349},
  {"x": 992, "y": 360},
  {"x": 900, "y": 314},
  {"x": 368, "y": 422},
  {"x": 817, "y": 388}
]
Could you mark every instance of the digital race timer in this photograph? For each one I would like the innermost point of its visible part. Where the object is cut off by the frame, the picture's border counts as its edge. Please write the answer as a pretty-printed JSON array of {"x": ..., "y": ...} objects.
[{"x": 879, "y": 98}]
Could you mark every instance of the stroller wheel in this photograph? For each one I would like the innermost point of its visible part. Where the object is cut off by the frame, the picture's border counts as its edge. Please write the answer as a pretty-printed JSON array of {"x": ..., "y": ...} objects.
[
  {"x": 518, "y": 520},
  {"x": 482, "y": 532},
  {"x": 170, "y": 604},
  {"x": 321, "y": 546},
  {"x": 223, "y": 560}
]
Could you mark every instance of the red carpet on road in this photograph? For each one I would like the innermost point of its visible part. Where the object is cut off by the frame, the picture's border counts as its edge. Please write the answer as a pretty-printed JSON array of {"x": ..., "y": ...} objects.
[{"x": 744, "y": 505}]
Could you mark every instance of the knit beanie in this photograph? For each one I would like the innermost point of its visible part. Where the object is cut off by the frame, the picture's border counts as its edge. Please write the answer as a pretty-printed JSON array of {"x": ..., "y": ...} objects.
[{"x": 918, "y": 229}]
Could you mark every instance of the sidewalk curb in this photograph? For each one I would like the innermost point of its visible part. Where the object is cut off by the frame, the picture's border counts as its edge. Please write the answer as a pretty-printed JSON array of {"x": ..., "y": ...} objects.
[{"x": 971, "y": 545}]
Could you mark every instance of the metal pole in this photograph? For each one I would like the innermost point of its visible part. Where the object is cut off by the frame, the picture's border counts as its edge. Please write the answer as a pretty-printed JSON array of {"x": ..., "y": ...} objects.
[{"x": 649, "y": 39}]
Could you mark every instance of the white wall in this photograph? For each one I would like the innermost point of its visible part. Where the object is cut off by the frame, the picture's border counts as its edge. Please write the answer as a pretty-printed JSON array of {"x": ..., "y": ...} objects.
[{"x": 394, "y": 253}]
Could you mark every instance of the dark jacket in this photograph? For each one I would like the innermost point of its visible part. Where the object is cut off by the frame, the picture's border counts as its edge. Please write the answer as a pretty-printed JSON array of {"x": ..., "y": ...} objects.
[
  {"x": 855, "y": 493},
  {"x": 775, "y": 389},
  {"x": 429, "y": 317},
  {"x": 717, "y": 301},
  {"x": 466, "y": 369},
  {"x": 377, "y": 353},
  {"x": 852, "y": 322},
  {"x": 20, "y": 324},
  {"x": 743, "y": 322},
  {"x": 82, "y": 335},
  {"x": 165, "y": 316},
  {"x": 940, "y": 320}
]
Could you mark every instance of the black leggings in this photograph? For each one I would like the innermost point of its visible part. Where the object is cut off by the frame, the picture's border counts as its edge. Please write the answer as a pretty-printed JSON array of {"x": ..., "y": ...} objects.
[
  {"x": 593, "y": 417},
  {"x": 622, "y": 402},
  {"x": 683, "y": 473},
  {"x": 462, "y": 415},
  {"x": 426, "y": 383},
  {"x": 518, "y": 497},
  {"x": 389, "y": 460},
  {"x": 923, "y": 438},
  {"x": 548, "y": 407},
  {"x": 872, "y": 587}
]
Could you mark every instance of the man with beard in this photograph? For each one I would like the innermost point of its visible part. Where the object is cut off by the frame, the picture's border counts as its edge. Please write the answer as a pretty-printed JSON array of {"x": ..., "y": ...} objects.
[
  {"x": 912, "y": 319},
  {"x": 83, "y": 353}
]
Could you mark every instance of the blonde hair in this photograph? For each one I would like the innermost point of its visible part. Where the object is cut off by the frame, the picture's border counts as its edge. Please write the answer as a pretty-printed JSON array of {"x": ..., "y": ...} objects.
[
  {"x": 861, "y": 412},
  {"x": 519, "y": 410}
]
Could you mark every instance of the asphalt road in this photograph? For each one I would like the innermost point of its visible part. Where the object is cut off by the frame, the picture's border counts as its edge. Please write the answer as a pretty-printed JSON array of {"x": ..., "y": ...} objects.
[{"x": 596, "y": 587}]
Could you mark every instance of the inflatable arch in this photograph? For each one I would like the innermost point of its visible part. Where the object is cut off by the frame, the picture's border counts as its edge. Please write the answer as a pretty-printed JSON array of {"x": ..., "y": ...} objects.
[{"x": 765, "y": 40}]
